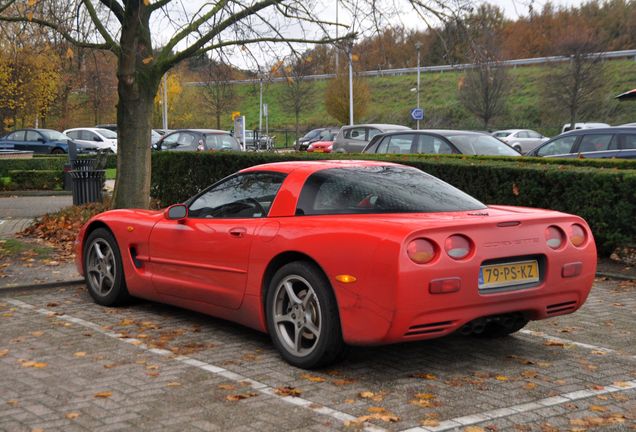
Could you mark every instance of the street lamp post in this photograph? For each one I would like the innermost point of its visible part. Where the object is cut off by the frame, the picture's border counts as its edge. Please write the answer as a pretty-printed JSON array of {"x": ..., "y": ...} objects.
[
  {"x": 164, "y": 100},
  {"x": 351, "y": 84},
  {"x": 418, "y": 46},
  {"x": 260, "y": 107}
]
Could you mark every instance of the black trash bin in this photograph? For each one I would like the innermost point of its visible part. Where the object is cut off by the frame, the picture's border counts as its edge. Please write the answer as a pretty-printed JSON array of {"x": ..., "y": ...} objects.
[
  {"x": 87, "y": 186},
  {"x": 84, "y": 164}
]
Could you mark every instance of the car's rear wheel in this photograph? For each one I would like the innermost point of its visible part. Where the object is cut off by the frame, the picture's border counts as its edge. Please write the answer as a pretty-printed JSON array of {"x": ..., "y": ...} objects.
[
  {"x": 302, "y": 316},
  {"x": 57, "y": 151},
  {"x": 103, "y": 270},
  {"x": 517, "y": 147}
]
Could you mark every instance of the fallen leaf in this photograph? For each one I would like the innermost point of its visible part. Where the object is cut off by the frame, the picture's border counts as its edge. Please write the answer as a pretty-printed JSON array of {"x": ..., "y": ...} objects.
[
  {"x": 52, "y": 304},
  {"x": 173, "y": 384},
  {"x": 104, "y": 394},
  {"x": 40, "y": 365},
  {"x": 597, "y": 352},
  {"x": 529, "y": 374},
  {"x": 597, "y": 408},
  {"x": 621, "y": 384},
  {"x": 502, "y": 378},
  {"x": 343, "y": 381},
  {"x": 377, "y": 397},
  {"x": 529, "y": 386},
  {"x": 72, "y": 415},
  {"x": 313, "y": 378},
  {"x": 240, "y": 396},
  {"x": 426, "y": 376},
  {"x": 80, "y": 354},
  {"x": 227, "y": 386},
  {"x": 3, "y": 352},
  {"x": 430, "y": 422},
  {"x": 126, "y": 322},
  {"x": 555, "y": 343},
  {"x": 474, "y": 429},
  {"x": 37, "y": 333},
  {"x": 13, "y": 402},
  {"x": 287, "y": 391}
]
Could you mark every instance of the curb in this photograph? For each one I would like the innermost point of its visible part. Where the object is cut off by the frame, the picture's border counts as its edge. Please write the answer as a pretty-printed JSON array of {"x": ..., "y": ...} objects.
[
  {"x": 616, "y": 276},
  {"x": 60, "y": 284}
]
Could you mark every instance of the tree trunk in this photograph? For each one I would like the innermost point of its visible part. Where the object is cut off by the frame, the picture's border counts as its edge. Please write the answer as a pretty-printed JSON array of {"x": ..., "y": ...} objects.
[{"x": 138, "y": 82}]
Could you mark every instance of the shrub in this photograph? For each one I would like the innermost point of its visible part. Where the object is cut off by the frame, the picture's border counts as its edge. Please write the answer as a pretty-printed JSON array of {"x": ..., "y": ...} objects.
[
  {"x": 31, "y": 179},
  {"x": 46, "y": 162},
  {"x": 606, "y": 198}
]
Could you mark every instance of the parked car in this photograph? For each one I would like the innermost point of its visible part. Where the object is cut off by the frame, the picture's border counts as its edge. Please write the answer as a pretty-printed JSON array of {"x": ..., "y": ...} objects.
[
  {"x": 322, "y": 134},
  {"x": 611, "y": 142},
  {"x": 522, "y": 140},
  {"x": 327, "y": 253},
  {"x": 439, "y": 142},
  {"x": 568, "y": 126},
  {"x": 155, "y": 135},
  {"x": 104, "y": 139},
  {"x": 320, "y": 147},
  {"x": 43, "y": 141},
  {"x": 254, "y": 141},
  {"x": 197, "y": 140},
  {"x": 353, "y": 139}
]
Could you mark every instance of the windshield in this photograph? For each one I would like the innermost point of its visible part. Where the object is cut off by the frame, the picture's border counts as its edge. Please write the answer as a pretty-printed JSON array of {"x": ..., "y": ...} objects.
[
  {"x": 109, "y": 134},
  {"x": 473, "y": 144},
  {"x": 311, "y": 134},
  {"x": 502, "y": 134},
  {"x": 380, "y": 189},
  {"x": 52, "y": 135}
]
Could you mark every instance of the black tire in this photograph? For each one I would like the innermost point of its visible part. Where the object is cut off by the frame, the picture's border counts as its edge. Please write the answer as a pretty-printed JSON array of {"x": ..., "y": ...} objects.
[
  {"x": 57, "y": 151},
  {"x": 517, "y": 147},
  {"x": 104, "y": 277},
  {"x": 504, "y": 327},
  {"x": 319, "y": 313}
]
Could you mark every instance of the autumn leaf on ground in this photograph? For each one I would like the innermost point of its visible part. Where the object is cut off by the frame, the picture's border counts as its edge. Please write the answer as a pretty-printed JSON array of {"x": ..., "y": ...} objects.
[
  {"x": 80, "y": 354},
  {"x": 529, "y": 386},
  {"x": 343, "y": 381},
  {"x": 378, "y": 413},
  {"x": 104, "y": 394},
  {"x": 474, "y": 429},
  {"x": 425, "y": 400},
  {"x": 426, "y": 376},
  {"x": 621, "y": 384},
  {"x": 227, "y": 386},
  {"x": 126, "y": 322},
  {"x": 173, "y": 384},
  {"x": 502, "y": 378},
  {"x": 313, "y": 378},
  {"x": 529, "y": 374},
  {"x": 37, "y": 333},
  {"x": 598, "y": 352},
  {"x": 597, "y": 408},
  {"x": 13, "y": 402},
  {"x": 555, "y": 343},
  {"x": 3, "y": 352},
  {"x": 72, "y": 415},
  {"x": 430, "y": 422},
  {"x": 240, "y": 396},
  {"x": 287, "y": 391},
  {"x": 376, "y": 397}
]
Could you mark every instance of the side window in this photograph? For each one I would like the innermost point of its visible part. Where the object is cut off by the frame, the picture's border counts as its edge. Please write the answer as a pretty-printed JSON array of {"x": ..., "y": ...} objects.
[
  {"x": 186, "y": 140},
  {"x": 373, "y": 132},
  {"x": 533, "y": 134},
  {"x": 16, "y": 136},
  {"x": 356, "y": 134},
  {"x": 243, "y": 196},
  {"x": 399, "y": 144},
  {"x": 628, "y": 141},
  {"x": 73, "y": 134},
  {"x": 32, "y": 136},
  {"x": 592, "y": 143},
  {"x": 91, "y": 136},
  {"x": 170, "y": 141},
  {"x": 523, "y": 134},
  {"x": 558, "y": 146},
  {"x": 432, "y": 144}
]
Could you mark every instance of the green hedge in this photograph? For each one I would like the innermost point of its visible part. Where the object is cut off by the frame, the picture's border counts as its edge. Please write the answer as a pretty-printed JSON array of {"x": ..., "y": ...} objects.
[
  {"x": 31, "y": 179},
  {"x": 605, "y": 197},
  {"x": 45, "y": 162}
]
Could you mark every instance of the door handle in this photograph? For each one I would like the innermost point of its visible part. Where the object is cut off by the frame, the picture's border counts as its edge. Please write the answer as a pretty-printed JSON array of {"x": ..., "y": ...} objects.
[{"x": 237, "y": 232}]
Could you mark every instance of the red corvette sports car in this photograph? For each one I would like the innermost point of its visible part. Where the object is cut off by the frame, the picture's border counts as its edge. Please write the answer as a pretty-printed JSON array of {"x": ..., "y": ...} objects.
[{"x": 325, "y": 254}]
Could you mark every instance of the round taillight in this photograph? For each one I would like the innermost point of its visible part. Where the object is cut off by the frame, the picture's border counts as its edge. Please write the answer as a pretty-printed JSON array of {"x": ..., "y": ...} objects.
[
  {"x": 577, "y": 235},
  {"x": 457, "y": 247},
  {"x": 554, "y": 237},
  {"x": 421, "y": 251}
]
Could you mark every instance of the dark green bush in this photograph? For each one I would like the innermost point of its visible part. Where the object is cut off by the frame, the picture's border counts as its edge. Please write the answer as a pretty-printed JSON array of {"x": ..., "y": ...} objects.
[
  {"x": 606, "y": 198},
  {"x": 46, "y": 162},
  {"x": 31, "y": 179}
]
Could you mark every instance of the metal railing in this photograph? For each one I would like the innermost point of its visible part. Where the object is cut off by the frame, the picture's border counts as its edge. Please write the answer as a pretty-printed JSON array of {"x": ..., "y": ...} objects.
[{"x": 442, "y": 68}]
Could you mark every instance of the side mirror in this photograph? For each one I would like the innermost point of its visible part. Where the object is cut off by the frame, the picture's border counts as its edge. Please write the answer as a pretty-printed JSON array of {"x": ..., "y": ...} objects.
[
  {"x": 176, "y": 212},
  {"x": 42, "y": 140}
]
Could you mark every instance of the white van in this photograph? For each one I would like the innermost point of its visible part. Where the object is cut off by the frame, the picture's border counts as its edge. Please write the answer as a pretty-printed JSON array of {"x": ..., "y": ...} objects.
[{"x": 566, "y": 127}]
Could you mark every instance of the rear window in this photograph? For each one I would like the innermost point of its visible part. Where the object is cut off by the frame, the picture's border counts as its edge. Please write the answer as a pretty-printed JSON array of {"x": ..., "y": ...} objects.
[
  {"x": 380, "y": 189},
  {"x": 481, "y": 145}
]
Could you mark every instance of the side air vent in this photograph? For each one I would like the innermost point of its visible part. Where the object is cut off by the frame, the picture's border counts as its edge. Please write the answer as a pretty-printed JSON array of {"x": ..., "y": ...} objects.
[
  {"x": 133, "y": 255},
  {"x": 431, "y": 328},
  {"x": 561, "y": 308}
]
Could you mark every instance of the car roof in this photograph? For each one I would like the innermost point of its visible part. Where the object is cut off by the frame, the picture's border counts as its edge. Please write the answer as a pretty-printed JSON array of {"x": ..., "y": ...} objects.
[
  {"x": 378, "y": 126},
  {"x": 442, "y": 132},
  {"x": 203, "y": 131},
  {"x": 611, "y": 129},
  {"x": 510, "y": 130},
  {"x": 313, "y": 166}
]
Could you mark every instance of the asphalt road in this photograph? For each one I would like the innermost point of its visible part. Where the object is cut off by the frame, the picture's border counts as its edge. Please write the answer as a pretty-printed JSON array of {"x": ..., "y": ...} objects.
[{"x": 67, "y": 364}]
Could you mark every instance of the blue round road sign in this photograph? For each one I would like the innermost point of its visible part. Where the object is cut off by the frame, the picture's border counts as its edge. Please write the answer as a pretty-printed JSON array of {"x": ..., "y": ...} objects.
[{"x": 417, "y": 114}]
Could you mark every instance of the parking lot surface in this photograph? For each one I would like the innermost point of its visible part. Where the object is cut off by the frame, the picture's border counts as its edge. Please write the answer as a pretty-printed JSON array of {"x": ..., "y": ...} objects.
[{"x": 67, "y": 364}]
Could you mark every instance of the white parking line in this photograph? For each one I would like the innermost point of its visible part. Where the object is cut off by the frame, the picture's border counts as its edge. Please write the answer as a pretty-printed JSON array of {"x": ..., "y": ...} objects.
[
  {"x": 208, "y": 367},
  {"x": 577, "y": 344},
  {"x": 460, "y": 422}
]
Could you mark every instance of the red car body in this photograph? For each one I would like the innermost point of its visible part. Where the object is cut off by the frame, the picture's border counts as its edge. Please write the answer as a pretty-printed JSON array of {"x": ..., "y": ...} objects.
[
  {"x": 320, "y": 147},
  {"x": 221, "y": 267}
]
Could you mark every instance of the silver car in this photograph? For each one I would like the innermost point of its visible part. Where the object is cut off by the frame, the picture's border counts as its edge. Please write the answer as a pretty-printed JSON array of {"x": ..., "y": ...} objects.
[
  {"x": 522, "y": 140},
  {"x": 353, "y": 139}
]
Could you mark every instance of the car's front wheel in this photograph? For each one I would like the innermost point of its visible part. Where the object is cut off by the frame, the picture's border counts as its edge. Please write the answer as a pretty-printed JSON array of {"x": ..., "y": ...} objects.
[
  {"x": 103, "y": 270},
  {"x": 302, "y": 316}
]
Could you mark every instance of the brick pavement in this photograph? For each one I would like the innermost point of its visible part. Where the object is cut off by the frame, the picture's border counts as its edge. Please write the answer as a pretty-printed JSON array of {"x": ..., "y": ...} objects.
[{"x": 171, "y": 369}]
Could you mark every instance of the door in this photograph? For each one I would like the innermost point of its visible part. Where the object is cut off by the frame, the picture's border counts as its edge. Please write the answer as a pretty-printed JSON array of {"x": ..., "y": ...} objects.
[
  {"x": 33, "y": 141},
  {"x": 9, "y": 142},
  {"x": 205, "y": 257},
  {"x": 355, "y": 139}
]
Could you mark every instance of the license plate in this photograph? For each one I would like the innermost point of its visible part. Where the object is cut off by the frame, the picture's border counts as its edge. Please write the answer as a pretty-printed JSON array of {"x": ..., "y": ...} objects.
[{"x": 508, "y": 274}]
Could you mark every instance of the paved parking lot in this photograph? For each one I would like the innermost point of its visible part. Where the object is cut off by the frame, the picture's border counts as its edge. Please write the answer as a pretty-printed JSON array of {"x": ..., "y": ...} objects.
[{"x": 67, "y": 364}]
